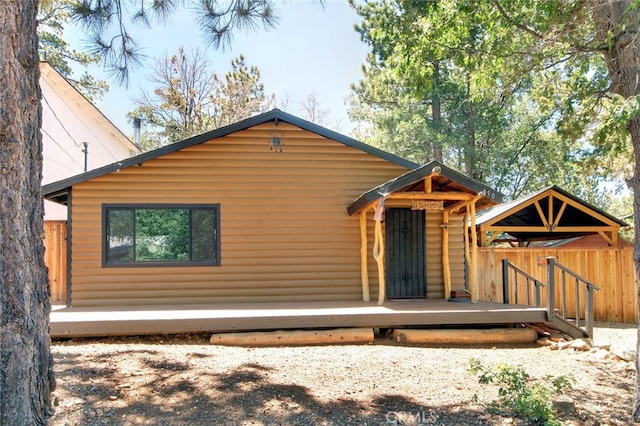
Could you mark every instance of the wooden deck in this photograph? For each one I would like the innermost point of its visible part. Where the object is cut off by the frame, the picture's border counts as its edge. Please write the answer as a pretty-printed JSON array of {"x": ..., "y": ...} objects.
[{"x": 141, "y": 320}]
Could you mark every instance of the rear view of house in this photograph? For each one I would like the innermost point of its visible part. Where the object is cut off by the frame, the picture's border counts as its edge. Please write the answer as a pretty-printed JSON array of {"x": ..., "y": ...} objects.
[
  {"x": 268, "y": 210},
  {"x": 254, "y": 212}
]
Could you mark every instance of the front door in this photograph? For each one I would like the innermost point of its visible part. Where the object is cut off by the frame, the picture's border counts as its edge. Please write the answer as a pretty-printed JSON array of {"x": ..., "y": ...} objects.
[{"x": 405, "y": 253}]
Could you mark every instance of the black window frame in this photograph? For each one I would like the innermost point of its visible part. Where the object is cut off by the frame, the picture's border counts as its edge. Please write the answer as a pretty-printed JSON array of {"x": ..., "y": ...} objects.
[{"x": 105, "y": 235}]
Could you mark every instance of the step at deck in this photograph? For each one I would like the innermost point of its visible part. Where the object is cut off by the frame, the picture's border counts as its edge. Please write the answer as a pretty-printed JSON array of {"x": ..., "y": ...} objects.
[{"x": 567, "y": 327}]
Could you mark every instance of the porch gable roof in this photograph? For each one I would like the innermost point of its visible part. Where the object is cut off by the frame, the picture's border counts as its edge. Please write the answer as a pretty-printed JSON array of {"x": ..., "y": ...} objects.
[{"x": 443, "y": 178}]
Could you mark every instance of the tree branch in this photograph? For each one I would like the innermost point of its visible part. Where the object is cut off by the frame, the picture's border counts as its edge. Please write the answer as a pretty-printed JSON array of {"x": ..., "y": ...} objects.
[{"x": 517, "y": 24}]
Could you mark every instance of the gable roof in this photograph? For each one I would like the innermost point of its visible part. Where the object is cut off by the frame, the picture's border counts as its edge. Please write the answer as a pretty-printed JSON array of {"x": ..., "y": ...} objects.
[
  {"x": 74, "y": 98},
  {"x": 569, "y": 214},
  {"x": 443, "y": 179},
  {"x": 57, "y": 191}
]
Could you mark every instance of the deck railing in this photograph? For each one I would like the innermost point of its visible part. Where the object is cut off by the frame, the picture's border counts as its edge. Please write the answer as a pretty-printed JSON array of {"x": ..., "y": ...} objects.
[
  {"x": 553, "y": 266},
  {"x": 529, "y": 280},
  {"x": 578, "y": 281}
]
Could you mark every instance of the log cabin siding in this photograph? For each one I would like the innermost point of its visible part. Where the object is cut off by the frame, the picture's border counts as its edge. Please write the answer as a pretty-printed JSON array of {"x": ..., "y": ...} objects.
[
  {"x": 435, "y": 273},
  {"x": 285, "y": 233}
]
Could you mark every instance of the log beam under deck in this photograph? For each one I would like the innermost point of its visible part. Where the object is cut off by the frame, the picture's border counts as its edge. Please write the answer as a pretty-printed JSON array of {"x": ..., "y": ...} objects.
[
  {"x": 466, "y": 337},
  {"x": 338, "y": 336}
]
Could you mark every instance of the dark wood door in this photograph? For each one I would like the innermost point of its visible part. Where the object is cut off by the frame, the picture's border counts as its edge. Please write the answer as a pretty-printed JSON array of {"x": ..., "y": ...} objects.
[{"x": 406, "y": 258}]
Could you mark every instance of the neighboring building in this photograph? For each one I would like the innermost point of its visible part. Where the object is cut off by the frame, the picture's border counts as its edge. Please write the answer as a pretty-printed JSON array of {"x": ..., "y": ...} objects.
[
  {"x": 69, "y": 121},
  {"x": 271, "y": 209}
]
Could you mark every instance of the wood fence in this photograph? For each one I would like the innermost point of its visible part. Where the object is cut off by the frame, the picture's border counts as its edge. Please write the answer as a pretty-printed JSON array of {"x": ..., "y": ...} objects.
[
  {"x": 55, "y": 257},
  {"x": 610, "y": 268}
]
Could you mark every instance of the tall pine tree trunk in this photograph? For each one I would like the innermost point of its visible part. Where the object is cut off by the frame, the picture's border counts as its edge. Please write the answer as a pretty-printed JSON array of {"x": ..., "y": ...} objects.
[
  {"x": 471, "y": 156},
  {"x": 26, "y": 378},
  {"x": 617, "y": 24},
  {"x": 634, "y": 128},
  {"x": 436, "y": 115}
]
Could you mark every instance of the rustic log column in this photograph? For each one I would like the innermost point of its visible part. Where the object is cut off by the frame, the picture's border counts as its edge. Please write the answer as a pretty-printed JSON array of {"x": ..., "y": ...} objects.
[
  {"x": 467, "y": 250},
  {"x": 364, "y": 267},
  {"x": 473, "y": 267},
  {"x": 446, "y": 265},
  {"x": 378, "y": 251}
]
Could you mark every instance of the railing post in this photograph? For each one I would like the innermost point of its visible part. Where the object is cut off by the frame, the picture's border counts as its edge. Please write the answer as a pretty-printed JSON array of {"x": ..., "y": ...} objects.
[
  {"x": 588, "y": 311},
  {"x": 577, "y": 296},
  {"x": 536, "y": 293},
  {"x": 550, "y": 287},
  {"x": 505, "y": 281},
  {"x": 563, "y": 292}
]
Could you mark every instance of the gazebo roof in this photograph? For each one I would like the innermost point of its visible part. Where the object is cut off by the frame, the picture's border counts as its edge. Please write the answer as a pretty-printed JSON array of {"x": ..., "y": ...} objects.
[{"x": 551, "y": 213}]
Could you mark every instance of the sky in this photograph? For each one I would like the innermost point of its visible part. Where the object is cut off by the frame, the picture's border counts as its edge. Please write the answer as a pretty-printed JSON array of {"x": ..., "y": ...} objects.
[{"x": 312, "y": 50}]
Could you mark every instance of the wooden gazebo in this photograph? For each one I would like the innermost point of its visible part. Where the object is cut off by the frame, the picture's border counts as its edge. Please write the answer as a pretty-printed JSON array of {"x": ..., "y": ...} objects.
[
  {"x": 549, "y": 214},
  {"x": 432, "y": 200}
]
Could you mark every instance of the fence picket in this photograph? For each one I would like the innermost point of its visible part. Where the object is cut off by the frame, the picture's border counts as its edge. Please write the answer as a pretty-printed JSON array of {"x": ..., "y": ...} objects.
[{"x": 55, "y": 243}]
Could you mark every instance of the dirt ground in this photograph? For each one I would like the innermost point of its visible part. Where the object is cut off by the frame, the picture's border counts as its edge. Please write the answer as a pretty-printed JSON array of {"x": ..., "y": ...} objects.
[{"x": 183, "y": 380}]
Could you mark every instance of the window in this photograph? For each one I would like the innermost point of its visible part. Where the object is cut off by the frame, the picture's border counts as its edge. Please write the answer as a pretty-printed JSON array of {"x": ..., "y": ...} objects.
[{"x": 161, "y": 235}]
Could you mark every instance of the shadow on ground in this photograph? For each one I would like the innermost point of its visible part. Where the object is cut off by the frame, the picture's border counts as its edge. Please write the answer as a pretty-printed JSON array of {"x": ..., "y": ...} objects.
[
  {"x": 136, "y": 386},
  {"x": 173, "y": 395}
]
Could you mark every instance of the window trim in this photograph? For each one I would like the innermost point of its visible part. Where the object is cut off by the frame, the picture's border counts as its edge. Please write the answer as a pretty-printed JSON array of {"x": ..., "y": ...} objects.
[{"x": 105, "y": 241}]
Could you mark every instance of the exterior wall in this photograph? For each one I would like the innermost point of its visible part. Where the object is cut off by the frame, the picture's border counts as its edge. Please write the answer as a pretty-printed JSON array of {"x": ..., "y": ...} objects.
[
  {"x": 285, "y": 232},
  {"x": 68, "y": 120}
]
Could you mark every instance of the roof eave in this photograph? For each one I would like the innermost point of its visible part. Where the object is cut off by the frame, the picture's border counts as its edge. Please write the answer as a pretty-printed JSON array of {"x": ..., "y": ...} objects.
[{"x": 266, "y": 117}]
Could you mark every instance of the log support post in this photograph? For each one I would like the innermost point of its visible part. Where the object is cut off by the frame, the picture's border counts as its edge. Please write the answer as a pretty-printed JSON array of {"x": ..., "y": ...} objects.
[
  {"x": 378, "y": 251},
  {"x": 467, "y": 248},
  {"x": 471, "y": 247},
  {"x": 364, "y": 267},
  {"x": 473, "y": 267},
  {"x": 446, "y": 266}
]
